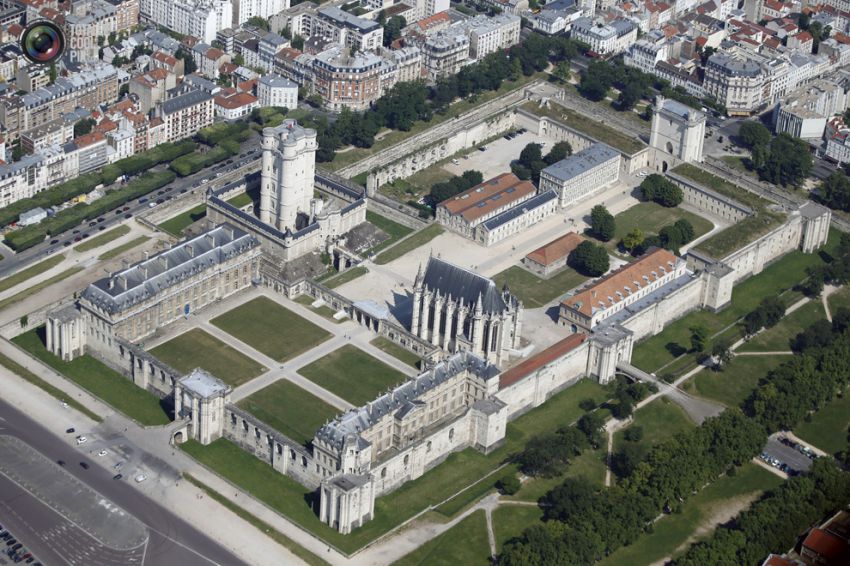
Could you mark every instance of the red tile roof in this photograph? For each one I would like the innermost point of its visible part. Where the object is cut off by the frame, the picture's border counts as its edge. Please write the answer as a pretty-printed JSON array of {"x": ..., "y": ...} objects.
[
  {"x": 532, "y": 364},
  {"x": 164, "y": 58},
  {"x": 827, "y": 545},
  {"x": 556, "y": 250},
  {"x": 776, "y": 560},
  {"x": 237, "y": 100},
  {"x": 488, "y": 196},
  {"x": 88, "y": 139}
]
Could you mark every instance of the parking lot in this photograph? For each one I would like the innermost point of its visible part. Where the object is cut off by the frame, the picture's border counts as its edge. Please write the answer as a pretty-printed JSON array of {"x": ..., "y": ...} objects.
[
  {"x": 496, "y": 158},
  {"x": 786, "y": 456}
]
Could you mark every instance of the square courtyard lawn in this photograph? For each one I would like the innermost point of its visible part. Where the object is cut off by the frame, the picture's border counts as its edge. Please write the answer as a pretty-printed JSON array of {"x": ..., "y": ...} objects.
[
  {"x": 196, "y": 348},
  {"x": 271, "y": 328},
  {"x": 352, "y": 374},
  {"x": 289, "y": 409}
]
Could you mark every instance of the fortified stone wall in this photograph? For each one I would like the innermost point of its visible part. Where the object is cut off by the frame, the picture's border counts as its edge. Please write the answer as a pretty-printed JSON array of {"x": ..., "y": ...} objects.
[
  {"x": 710, "y": 201},
  {"x": 654, "y": 318}
]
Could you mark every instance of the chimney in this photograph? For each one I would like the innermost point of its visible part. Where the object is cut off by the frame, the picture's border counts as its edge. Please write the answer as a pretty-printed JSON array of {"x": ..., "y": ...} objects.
[
  {"x": 146, "y": 255},
  {"x": 163, "y": 259},
  {"x": 191, "y": 250}
]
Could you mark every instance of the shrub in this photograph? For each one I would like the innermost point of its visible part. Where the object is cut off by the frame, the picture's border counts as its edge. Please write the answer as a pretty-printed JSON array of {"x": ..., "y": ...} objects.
[{"x": 509, "y": 484}]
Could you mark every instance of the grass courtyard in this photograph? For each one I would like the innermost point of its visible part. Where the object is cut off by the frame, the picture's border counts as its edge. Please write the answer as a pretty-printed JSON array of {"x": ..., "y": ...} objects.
[
  {"x": 651, "y": 217},
  {"x": 466, "y": 543},
  {"x": 534, "y": 291},
  {"x": 396, "y": 351},
  {"x": 197, "y": 348},
  {"x": 271, "y": 328},
  {"x": 828, "y": 427},
  {"x": 410, "y": 243},
  {"x": 735, "y": 383},
  {"x": 289, "y": 409},
  {"x": 345, "y": 277},
  {"x": 177, "y": 224},
  {"x": 778, "y": 338},
  {"x": 439, "y": 484},
  {"x": 352, "y": 374},
  {"x": 99, "y": 380},
  {"x": 394, "y": 230}
]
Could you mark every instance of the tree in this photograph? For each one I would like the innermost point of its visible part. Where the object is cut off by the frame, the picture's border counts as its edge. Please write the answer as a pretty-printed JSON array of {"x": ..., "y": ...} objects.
[
  {"x": 834, "y": 191},
  {"x": 83, "y": 127},
  {"x": 661, "y": 190},
  {"x": 530, "y": 163},
  {"x": 559, "y": 151},
  {"x": 686, "y": 229},
  {"x": 753, "y": 322},
  {"x": 633, "y": 239},
  {"x": 592, "y": 425},
  {"x": 721, "y": 354},
  {"x": 626, "y": 459},
  {"x": 189, "y": 65},
  {"x": 589, "y": 259},
  {"x": 699, "y": 337},
  {"x": 633, "y": 434},
  {"x": 562, "y": 72},
  {"x": 754, "y": 134},
  {"x": 789, "y": 161},
  {"x": 392, "y": 30},
  {"x": 509, "y": 484},
  {"x": 259, "y": 22},
  {"x": 52, "y": 73},
  {"x": 297, "y": 42},
  {"x": 602, "y": 223},
  {"x": 671, "y": 237}
]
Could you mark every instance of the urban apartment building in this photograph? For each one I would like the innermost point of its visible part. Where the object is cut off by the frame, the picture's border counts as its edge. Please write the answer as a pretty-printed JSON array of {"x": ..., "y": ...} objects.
[
  {"x": 347, "y": 80},
  {"x": 82, "y": 32},
  {"x": 346, "y": 29},
  {"x": 736, "y": 83},
  {"x": 126, "y": 14},
  {"x": 582, "y": 174},
  {"x": 244, "y": 10},
  {"x": 187, "y": 113},
  {"x": 804, "y": 112},
  {"x": 445, "y": 53},
  {"x": 490, "y": 34},
  {"x": 274, "y": 90},
  {"x": 198, "y": 18},
  {"x": 608, "y": 39}
]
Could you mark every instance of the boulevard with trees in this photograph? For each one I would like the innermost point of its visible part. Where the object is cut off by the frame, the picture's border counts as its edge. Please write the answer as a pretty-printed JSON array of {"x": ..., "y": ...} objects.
[{"x": 781, "y": 160}]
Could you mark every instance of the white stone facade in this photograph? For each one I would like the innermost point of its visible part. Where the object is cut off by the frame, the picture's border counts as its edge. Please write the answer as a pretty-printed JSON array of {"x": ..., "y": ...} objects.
[
  {"x": 678, "y": 130},
  {"x": 289, "y": 166},
  {"x": 582, "y": 174},
  {"x": 274, "y": 90}
]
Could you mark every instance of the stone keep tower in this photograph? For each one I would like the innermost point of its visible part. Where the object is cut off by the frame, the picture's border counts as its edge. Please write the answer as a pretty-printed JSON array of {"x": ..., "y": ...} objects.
[
  {"x": 289, "y": 166},
  {"x": 678, "y": 130}
]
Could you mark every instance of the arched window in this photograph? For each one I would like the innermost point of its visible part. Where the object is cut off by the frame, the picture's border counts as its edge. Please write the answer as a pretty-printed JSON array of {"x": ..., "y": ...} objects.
[
  {"x": 406, "y": 460},
  {"x": 451, "y": 433},
  {"x": 428, "y": 446},
  {"x": 384, "y": 473}
]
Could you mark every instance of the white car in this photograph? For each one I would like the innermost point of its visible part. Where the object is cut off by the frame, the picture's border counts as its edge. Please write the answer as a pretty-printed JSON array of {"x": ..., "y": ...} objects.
[
  {"x": 102, "y": 453},
  {"x": 81, "y": 440},
  {"x": 140, "y": 478}
]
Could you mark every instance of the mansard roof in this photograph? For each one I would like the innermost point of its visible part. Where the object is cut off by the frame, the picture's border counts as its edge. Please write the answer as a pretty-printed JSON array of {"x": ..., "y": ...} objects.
[{"x": 464, "y": 285}]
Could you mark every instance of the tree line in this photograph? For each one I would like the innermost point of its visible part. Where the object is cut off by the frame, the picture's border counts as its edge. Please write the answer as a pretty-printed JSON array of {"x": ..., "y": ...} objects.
[{"x": 781, "y": 160}]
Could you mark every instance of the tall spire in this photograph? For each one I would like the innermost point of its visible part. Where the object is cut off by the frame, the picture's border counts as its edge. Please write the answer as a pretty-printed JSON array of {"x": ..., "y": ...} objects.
[{"x": 479, "y": 304}]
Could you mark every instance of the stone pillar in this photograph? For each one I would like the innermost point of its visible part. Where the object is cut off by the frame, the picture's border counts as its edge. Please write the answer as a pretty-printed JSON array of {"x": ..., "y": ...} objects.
[
  {"x": 426, "y": 315},
  {"x": 438, "y": 315},
  {"x": 450, "y": 312},
  {"x": 461, "y": 320},
  {"x": 417, "y": 306},
  {"x": 478, "y": 333},
  {"x": 50, "y": 329}
]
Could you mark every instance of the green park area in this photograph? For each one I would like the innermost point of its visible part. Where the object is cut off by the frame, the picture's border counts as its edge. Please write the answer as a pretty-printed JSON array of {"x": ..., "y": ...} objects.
[
  {"x": 38, "y": 287},
  {"x": 588, "y": 126},
  {"x": 102, "y": 239},
  {"x": 451, "y": 486},
  {"x": 838, "y": 299},
  {"x": 394, "y": 230},
  {"x": 658, "y": 420},
  {"x": 352, "y": 374},
  {"x": 118, "y": 250},
  {"x": 534, "y": 291},
  {"x": 177, "y": 224},
  {"x": 466, "y": 543},
  {"x": 741, "y": 233},
  {"x": 30, "y": 272},
  {"x": 737, "y": 380},
  {"x": 271, "y": 328},
  {"x": 509, "y": 521},
  {"x": 651, "y": 217},
  {"x": 396, "y": 351},
  {"x": 778, "y": 338},
  {"x": 828, "y": 428},
  {"x": 715, "y": 504},
  {"x": 346, "y": 276},
  {"x": 196, "y": 348},
  {"x": 410, "y": 243},
  {"x": 289, "y": 409},
  {"x": 99, "y": 380},
  {"x": 590, "y": 465}
]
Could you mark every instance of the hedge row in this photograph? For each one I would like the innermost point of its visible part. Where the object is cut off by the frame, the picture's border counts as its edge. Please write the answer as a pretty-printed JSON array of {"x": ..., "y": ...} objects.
[
  {"x": 24, "y": 238},
  {"x": 194, "y": 162},
  {"x": 86, "y": 183},
  {"x": 217, "y": 133}
]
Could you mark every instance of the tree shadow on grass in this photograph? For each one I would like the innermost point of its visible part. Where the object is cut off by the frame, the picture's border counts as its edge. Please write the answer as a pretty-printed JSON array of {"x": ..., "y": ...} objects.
[{"x": 675, "y": 349}]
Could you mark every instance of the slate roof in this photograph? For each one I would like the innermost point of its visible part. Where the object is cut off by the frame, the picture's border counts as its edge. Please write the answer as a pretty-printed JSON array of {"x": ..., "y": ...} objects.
[
  {"x": 581, "y": 162},
  {"x": 184, "y": 101},
  {"x": 520, "y": 209},
  {"x": 464, "y": 285}
]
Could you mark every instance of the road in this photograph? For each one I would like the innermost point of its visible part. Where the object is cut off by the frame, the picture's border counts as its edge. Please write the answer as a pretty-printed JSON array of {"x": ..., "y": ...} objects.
[{"x": 172, "y": 540}]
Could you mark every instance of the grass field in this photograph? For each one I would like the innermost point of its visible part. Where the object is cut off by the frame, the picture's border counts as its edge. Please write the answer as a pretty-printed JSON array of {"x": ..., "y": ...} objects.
[
  {"x": 410, "y": 243},
  {"x": 394, "y": 230},
  {"x": 840, "y": 298},
  {"x": 509, "y": 521},
  {"x": 535, "y": 292},
  {"x": 259, "y": 524},
  {"x": 177, "y": 224},
  {"x": 348, "y": 275},
  {"x": 396, "y": 351},
  {"x": 828, "y": 428},
  {"x": 197, "y": 348},
  {"x": 116, "y": 251},
  {"x": 102, "y": 239},
  {"x": 777, "y": 339},
  {"x": 240, "y": 200},
  {"x": 271, "y": 328},
  {"x": 776, "y": 279},
  {"x": 659, "y": 420},
  {"x": 26, "y": 374},
  {"x": 735, "y": 383},
  {"x": 30, "y": 272},
  {"x": 460, "y": 469},
  {"x": 589, "y": 465},
  {"x": 38, "y": 287},
  {"x": 352, "y": 374},
  {"x": 700, "y": 516},
  {"x": 99, "y": 380},
  {"x": 289, "y": 409},
  {"x": 589, "y": 126},
  {"x": 651, "y": 217},
  {"x": 324, "y": 310},
  {"x": 466, "y": 543}
]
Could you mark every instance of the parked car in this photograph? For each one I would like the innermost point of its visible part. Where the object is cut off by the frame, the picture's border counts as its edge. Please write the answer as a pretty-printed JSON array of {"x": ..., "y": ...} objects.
[
  {"x": 71, "y": 430},
  {"x": 140, "y": 478},
  {"x": 117, "y": 476},
  {"x": 84, "y": 465},
  {"x": 81, "y": 440}
]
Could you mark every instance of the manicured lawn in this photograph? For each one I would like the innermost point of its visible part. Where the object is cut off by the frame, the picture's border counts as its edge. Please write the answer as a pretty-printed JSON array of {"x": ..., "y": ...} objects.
[
  {"x": 828, "y": 427},
  {"x": 659, "y": 420},
  {"x": 459, "y": 470},
  {"x": 838, "y": 299},
  {"x": 777, "y": 339},
  {"x": 509, "y": 521},
  {"x": 38, "y": 287},
  {"x": 703, "y": 511},
  {"x": 272, "y": 329},
  {"x": 735, "y": 383},
  {"x": 196, "y": 348},
  {"x": 589, "y": 465},
  {"x": 394, "y": 230},
  {"x": 26, "y": 374},
  {"x": 346, "y": 276},
  {"x": 591, "y": 127},
  {"x": 410, "y": 243},
  {"x": 240, "y": 200},
  {"x": 396, "y": 351},
  {"x": 99, "y": 380},
  {"x": 289, "y": 409},
  {"x": 651, "y": 217},
  {"x": 177, "y": 224},
  {"x": 116, "y": 251},
  {"x": 535, "y": 292},
  {"x": 30, "y": 272},
  {"x": 466, "y": 543},
  {"x": 102, "y": 239},
  {"x": 323, "y": 310},
  {"x": 352, "y": 374}
]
